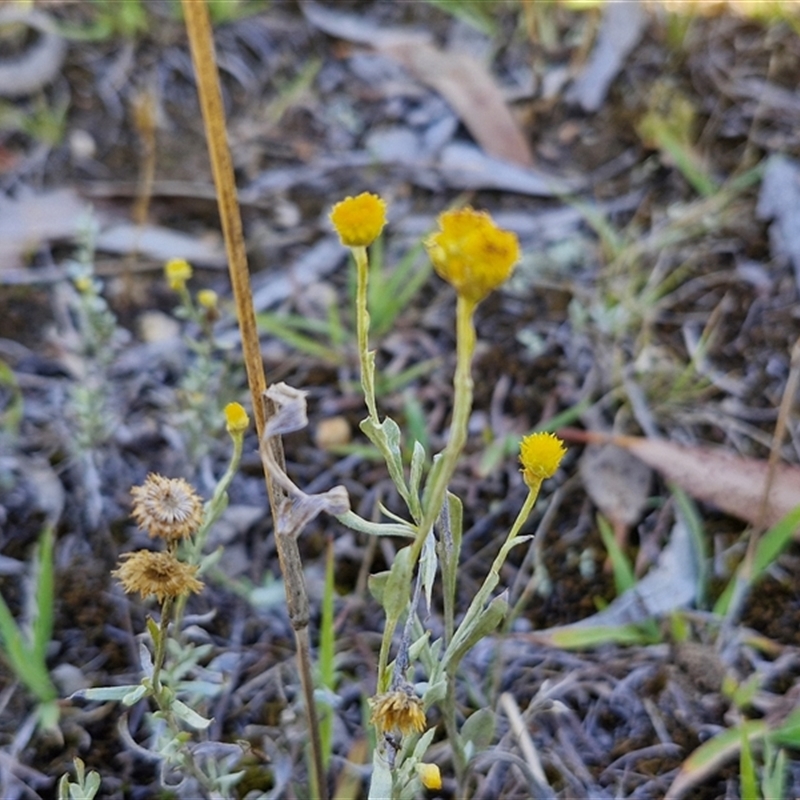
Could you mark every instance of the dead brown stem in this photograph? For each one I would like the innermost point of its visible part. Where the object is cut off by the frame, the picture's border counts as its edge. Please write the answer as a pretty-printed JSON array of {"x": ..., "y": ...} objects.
[{"x": 198, "y": 27}]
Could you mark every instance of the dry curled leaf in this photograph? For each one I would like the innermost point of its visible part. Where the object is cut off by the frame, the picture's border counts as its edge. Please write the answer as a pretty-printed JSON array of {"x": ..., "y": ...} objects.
[{"x": 297, "y": 508}]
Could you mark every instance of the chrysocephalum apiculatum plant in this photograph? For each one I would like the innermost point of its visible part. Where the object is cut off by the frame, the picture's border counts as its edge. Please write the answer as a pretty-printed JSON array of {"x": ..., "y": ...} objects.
[
  {"x": 172, "y": 513},
  {"x": 476, "y": 257}
]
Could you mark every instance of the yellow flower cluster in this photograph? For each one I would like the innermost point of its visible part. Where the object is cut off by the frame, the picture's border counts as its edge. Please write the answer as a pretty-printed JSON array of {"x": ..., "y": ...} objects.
[
  {"x": 472, "y": 253},
  {"x": 167, "y": 507},
  {"x": 399, "y": 710},
  {"x": 359, "y": 220},
  {"x": 540, "y": 454}
]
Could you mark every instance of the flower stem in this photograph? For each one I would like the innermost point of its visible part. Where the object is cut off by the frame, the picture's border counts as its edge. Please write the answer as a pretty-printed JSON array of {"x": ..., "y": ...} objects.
[
  {"x": 366, "y": 358},
  {"x": 462, "y": 406},
  {"x": 161, "y": 644}
]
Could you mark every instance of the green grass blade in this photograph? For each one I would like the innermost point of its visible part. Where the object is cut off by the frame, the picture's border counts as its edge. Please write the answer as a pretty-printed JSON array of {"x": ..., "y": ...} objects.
[
  {"x": 580, "y": 638},
  {"x": 624, "y": 578},
  {"x": 771, "y": 545},
  {"x": 694, "y": 523},
  {"x": 21, "y": 658},
  {"x": 13, "y": 641},
  {"x": 747, "y": 770},
  {"x": 44, "y": 581},
  {"x": 286, "y": 329}
]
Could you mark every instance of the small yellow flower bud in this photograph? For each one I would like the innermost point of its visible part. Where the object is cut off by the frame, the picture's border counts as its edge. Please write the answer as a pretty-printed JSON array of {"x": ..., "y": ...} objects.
[
  {"x": 471, "y": 253},
  {"x": 430, "y": 775},
  {"x": 207, "y": 298},
  {"x": 540, "y": 454},
  {"x": 177, "y": 272},
  {"x": 236, "y": 418},
  {"x": 83, "y": 284},
  {"x": 359, "y": 220}
]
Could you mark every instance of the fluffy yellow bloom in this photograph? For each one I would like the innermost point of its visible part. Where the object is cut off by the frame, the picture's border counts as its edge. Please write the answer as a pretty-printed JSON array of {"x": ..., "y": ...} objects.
[
  {"x": 540, "y": 454},
  {"x": 177, "y": 272},
  {"x": 160, "y": 574},
  {"x": 359, "y": 220},
  {"x": 472, "y": 253},
  {"x": 430, "y": 775},
  {"x": 236, "y": 419},
  {"x": 399, "y": 710},
  {"x": 167, "y": 507}
]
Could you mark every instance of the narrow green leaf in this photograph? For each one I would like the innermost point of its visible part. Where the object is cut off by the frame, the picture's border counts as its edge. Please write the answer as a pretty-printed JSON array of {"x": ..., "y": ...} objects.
[
  {"x": 356, "y": 523},
  {"x": 397, "y": 592},
  {"x": 415, "y": 479},
  {"x": 428, "y": 567},
  {"x": 380, "y": 784},
  {"x": 624, "y": 578},
  {"x": 479, "y": 729},
  {"x": 103, "y": 694},
  {"x": 769, "y": 547},
  {"x": 579, "y": 638},
  {"x": 788, "y": 734},
  {"x": 694, "y": 525},
  {"x": 44, "y": 580},
  {"x": 189, "y": 715},
  {"x": 387, "y": 437},
  {"x": 747, "y": 770},
  {"x": 13, "y": 642},
  {"x": 483, "y": 624}
]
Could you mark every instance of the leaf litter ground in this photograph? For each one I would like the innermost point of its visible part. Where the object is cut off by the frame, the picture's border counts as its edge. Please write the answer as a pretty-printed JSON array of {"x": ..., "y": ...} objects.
[{"x": 617, "y": 294}]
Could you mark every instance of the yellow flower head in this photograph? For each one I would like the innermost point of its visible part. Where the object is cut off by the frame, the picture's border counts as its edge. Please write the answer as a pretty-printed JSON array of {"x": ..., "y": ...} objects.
[
  {"x": 359, "y": 220},
  {"x": 430, "y": 775},
  {"x": 399, "y": 710},
  {"x": 236, "y": 419},
  {"x": 207, "y": 298},
  {"x": 160, "y": 574},
  {"x": 472, "y": 253},
  {"x": 177, "y": 272},
  {"x": 540, "y": 454},
  {"x": 167, "y": 507}
]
